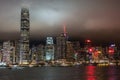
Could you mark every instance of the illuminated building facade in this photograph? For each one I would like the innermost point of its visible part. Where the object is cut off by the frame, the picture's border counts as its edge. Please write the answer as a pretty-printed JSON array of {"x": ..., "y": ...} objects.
[
  {"x": 97, "y": 53},
  {"x": 8, "y": 51},
  {"x": 24, "y": 36},
  {"x": 49, "y": 49},
  {"x": 60, "y": 47},
  {"x": 37, "y": 53},
  {"x": 112, "y": 51},
  {"x": 1, "y": 54},
  {"x": 69, "y": 50},
  {"x": 33, "y": 53},
  {"x": 77, "y": 50},
  {"x": 17, "y": 50},
  {"x": 12, "y": 55},
  {"x": 88, "y": 50},
  {"x": 40, "y": 52}
]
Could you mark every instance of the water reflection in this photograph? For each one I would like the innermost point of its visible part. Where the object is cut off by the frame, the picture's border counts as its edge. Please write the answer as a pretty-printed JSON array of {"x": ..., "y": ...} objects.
[
  {"x": 62, "y": 73},
  {"x": 112, "y": 73},
  {"x": 102, "y": 73},
  {"x": 90, "y": 72}
]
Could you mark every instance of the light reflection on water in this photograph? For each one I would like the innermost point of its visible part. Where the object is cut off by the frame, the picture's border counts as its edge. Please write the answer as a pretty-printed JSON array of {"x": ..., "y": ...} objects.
[
  {"x": 112, "y": 73},
  {"x": 62, "y": 73},
  {"x": 90, "y": 73},
  {"x": 102, "y": 73}
]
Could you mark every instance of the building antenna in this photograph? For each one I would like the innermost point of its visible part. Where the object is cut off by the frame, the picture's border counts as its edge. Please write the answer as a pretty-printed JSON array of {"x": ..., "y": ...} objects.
[{"x": 64, "y": 29}]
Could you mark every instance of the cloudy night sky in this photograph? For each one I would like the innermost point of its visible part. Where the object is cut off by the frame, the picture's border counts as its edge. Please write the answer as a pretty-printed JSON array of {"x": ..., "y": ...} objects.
[{"x": 98, "y": 20}]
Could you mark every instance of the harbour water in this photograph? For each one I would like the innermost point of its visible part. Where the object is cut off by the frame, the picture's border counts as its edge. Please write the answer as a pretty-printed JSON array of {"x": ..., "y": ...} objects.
[{"x": 62, "y": 73}]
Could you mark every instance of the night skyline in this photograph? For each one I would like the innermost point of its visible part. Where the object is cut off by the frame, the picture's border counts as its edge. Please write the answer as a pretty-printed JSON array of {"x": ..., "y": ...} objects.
[{"x": 95, "y": 20}]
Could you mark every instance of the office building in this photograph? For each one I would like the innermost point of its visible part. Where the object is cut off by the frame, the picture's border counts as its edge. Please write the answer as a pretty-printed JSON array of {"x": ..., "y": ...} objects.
[
  {"x": 49, "y": 49},
  {"x": 24, "y": 36},
  {"x": 60, "y": 47}
]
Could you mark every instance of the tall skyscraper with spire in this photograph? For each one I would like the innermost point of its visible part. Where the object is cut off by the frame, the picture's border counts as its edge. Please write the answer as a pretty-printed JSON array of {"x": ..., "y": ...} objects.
[
  {"x": 24, "y": 36},
  {"x": 61, "y": 45}
]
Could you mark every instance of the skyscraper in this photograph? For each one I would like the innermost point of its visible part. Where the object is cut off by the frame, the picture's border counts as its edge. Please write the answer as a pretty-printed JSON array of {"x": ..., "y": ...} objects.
[
  {"x": 69, "y": 50},
  {"x": 6, "y": 52},
  {"x": 49, "y": 49},
  {"x": 24, "y": 36},
  {"x": 60, "y": 47},
  {"x": 1, "y": 55},
  {"x": 17, "y": 50},
  {"x": 61, "y": 44}
]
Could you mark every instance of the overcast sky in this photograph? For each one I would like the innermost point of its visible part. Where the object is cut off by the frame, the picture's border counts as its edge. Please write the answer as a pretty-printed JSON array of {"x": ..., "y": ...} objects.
[{"x": 98, "y": 20}]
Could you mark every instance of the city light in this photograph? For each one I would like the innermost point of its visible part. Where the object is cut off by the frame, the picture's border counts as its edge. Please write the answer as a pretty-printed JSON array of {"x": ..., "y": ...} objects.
[
  {"x": 88, "y": 41},
  {"x": 59, "y": 40},
  {"x": 111, "y": 50},
  {"x": 55, "y": 49},
  {"x": 90, "y": 50}
]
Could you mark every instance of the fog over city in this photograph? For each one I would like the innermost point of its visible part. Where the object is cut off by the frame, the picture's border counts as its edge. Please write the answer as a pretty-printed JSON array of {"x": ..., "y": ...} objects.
[{"x": 98, "y": 20}]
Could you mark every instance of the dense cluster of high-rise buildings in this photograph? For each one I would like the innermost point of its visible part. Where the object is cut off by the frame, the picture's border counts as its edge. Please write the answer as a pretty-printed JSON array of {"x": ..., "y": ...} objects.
[{"x": 19, "y": 51}]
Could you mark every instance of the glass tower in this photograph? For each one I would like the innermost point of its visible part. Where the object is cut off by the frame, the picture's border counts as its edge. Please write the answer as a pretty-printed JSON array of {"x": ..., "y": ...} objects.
[{"x": 24, "y": 36}]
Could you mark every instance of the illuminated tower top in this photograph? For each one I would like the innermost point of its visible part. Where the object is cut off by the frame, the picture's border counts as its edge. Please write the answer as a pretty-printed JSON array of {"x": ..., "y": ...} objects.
[
  {"x": 24, "y": 11},
  {"x": 64, "y": 29},
  {"x": 49, "y": 40}
]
